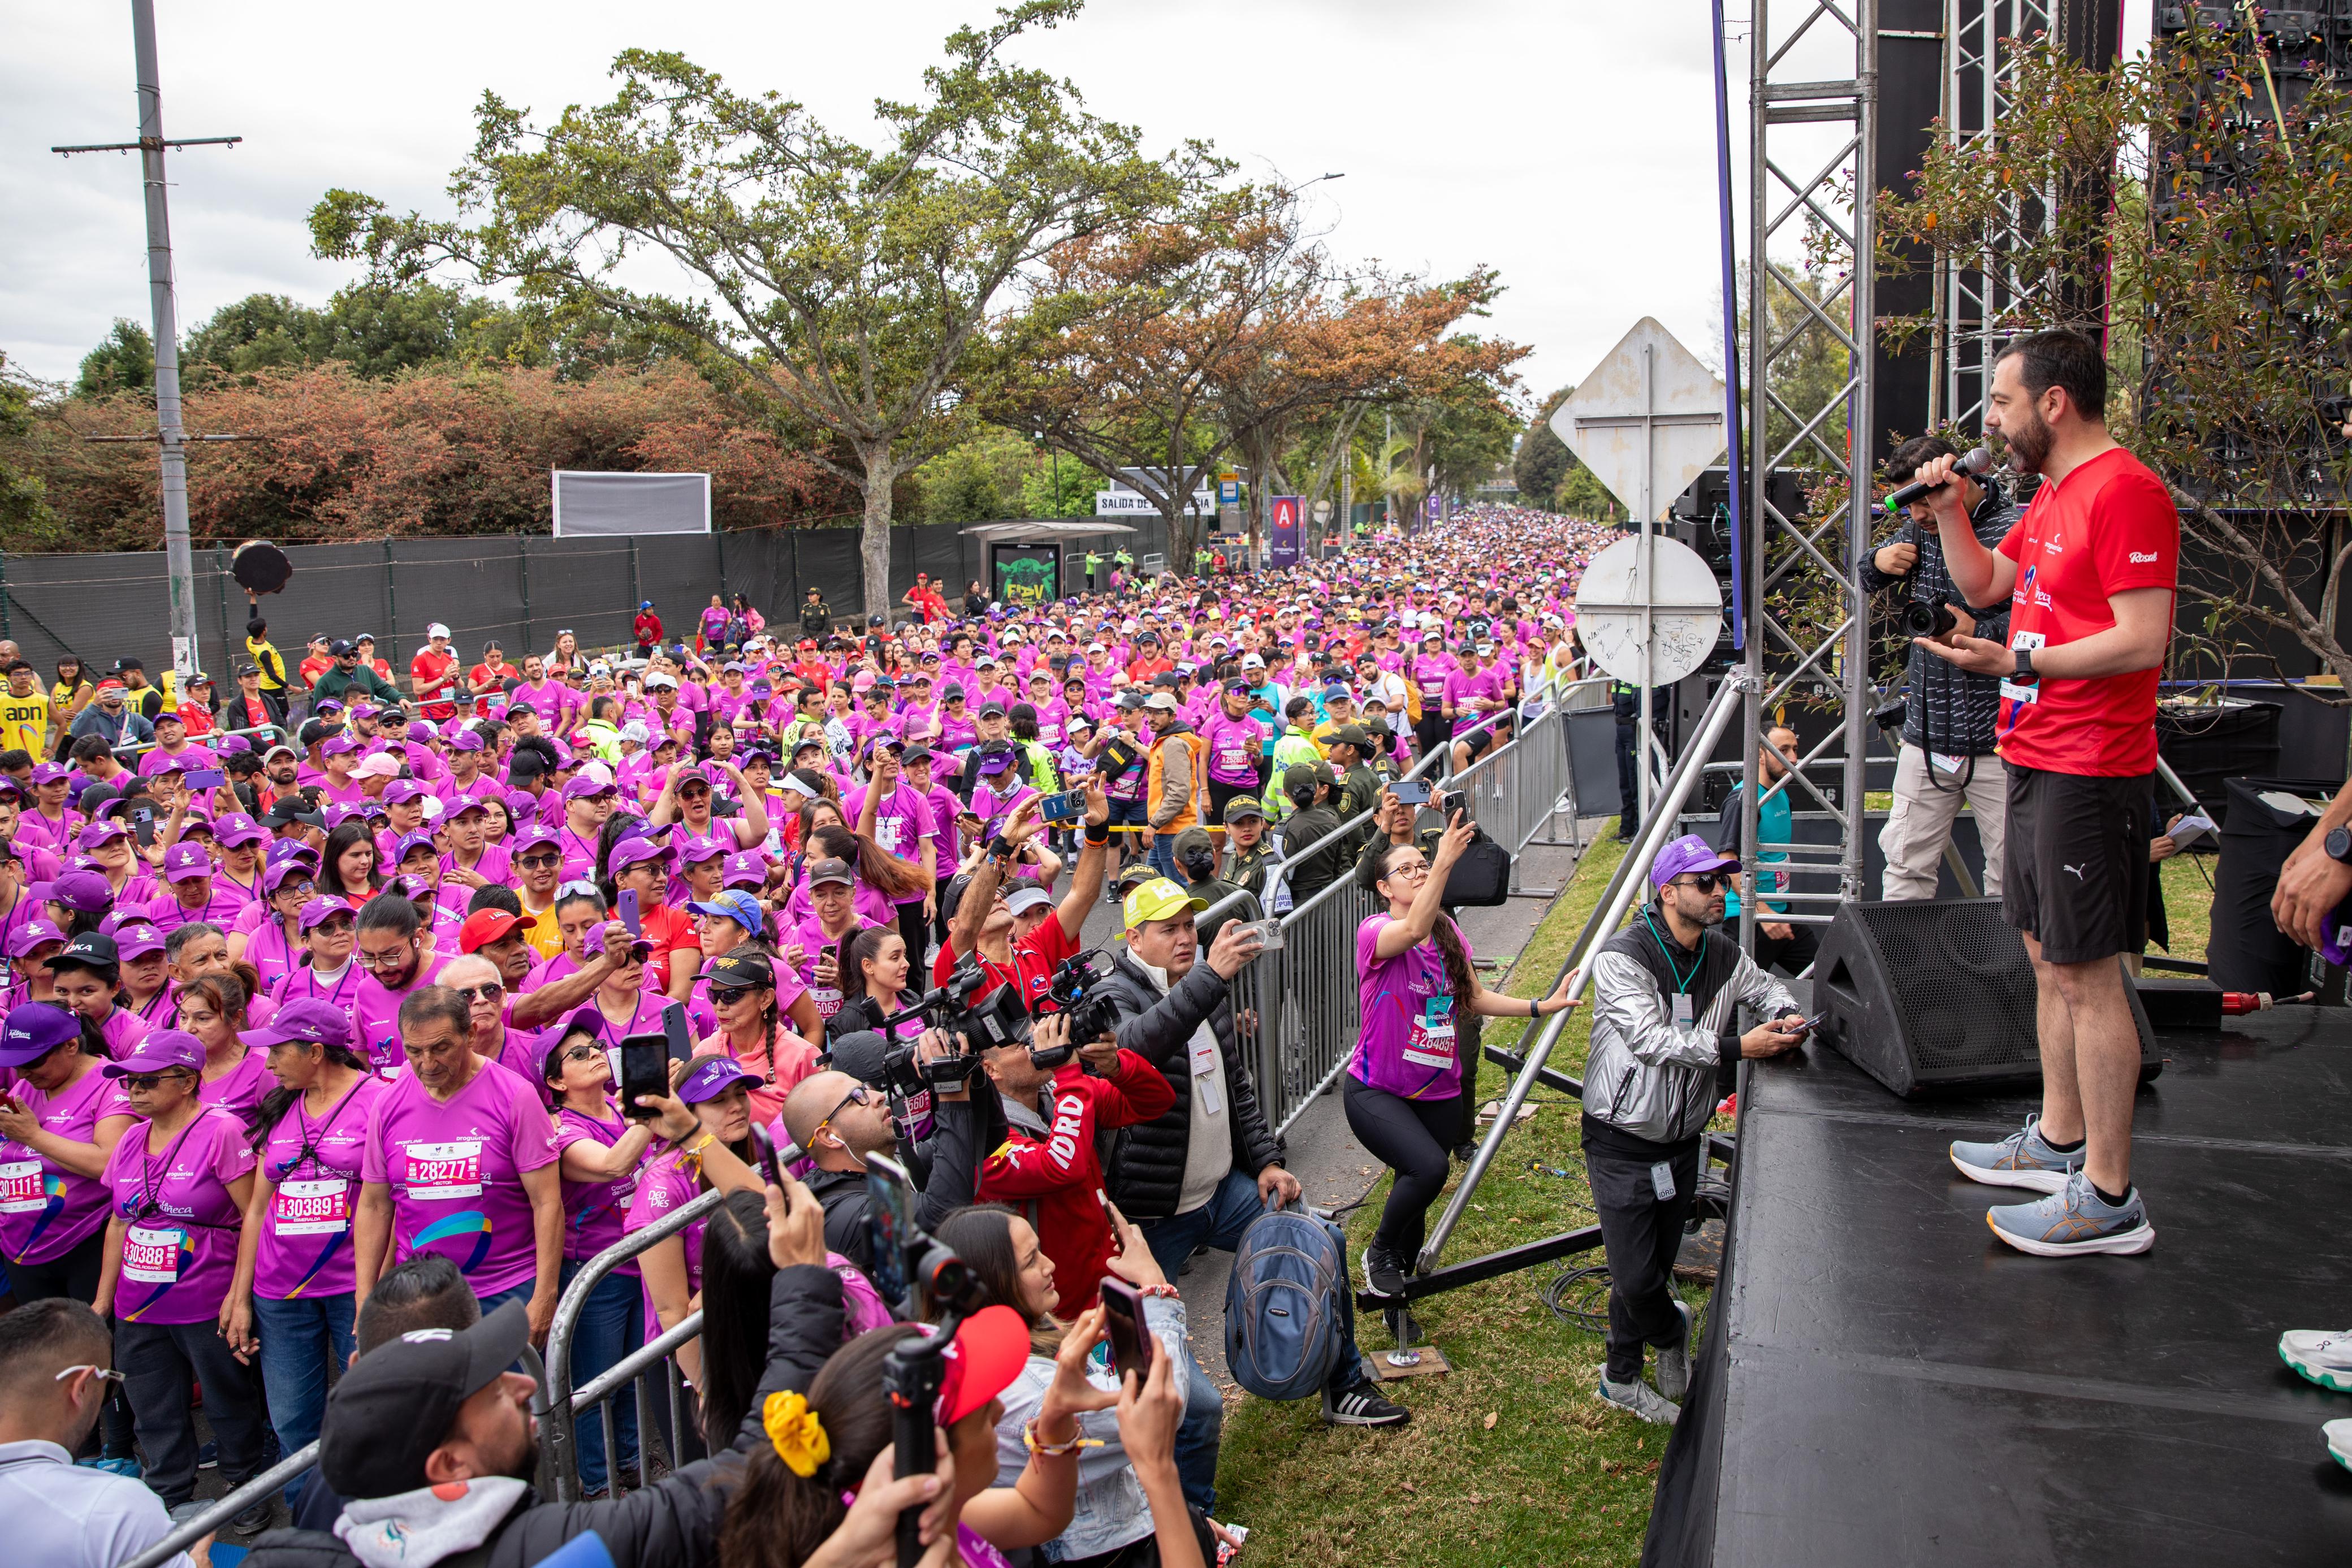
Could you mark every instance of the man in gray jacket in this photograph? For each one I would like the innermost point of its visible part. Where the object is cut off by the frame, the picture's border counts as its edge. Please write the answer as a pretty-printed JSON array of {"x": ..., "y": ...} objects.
[{"x": 1665, "y": 1042}]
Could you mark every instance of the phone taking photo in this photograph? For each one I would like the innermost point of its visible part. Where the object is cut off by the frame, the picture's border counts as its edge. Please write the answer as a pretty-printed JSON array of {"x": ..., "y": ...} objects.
[
  {"x": 889, "y": 1224},
  {"x": 1411, "y": 792},
  {"x": 774, "y": 1159},
  {"x": 1067, "y": 806},
  {"x": 644, "y": 1070},
  {"x": 627, "y": 905},
  {"x": 1131, "y": 1344}
]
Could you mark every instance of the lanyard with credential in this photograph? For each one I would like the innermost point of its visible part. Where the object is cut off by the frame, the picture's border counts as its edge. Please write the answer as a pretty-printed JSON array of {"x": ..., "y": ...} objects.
[{"x": 1683, "y": 1008}]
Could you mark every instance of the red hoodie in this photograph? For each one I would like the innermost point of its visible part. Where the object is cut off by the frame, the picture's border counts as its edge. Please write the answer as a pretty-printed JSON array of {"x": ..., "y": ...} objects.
[{"x": 1057, "y": 1184}]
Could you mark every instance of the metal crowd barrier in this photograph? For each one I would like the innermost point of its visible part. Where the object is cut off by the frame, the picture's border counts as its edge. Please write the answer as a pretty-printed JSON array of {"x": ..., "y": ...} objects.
[{"x": 271, "y": 732}]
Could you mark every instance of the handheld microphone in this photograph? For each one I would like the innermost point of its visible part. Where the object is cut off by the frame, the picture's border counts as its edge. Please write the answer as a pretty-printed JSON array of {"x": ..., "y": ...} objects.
[{"x": 1977, "y": 461}]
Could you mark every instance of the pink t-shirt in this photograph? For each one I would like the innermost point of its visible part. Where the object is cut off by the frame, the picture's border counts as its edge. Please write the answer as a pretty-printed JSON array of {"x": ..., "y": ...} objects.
[
  {"x": 1409, "y": 1045},
  {"x": 592, "y": 1211},
  {"x": 241, "y": 1088},
  {"x": 306, "y": 1243},
  {"x": 375, "y": 1016},
  {"x": 666, "y": 1182},
  {"x": 180, "y": 1221},
  {"x": 46, "y": 1210},
  {"x": 456, "y": 1171}
]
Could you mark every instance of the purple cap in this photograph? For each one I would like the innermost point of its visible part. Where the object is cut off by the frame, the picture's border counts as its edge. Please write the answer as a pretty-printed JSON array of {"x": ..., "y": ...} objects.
[
  {"x": 399, "y": 791},
  {"x": 339, "y": 744},
  {"x": 412, "y": 887},
  {"x": 31, "y": 935},
  {"x": 83, "y": 891},
  {"x": 633, "y": 852},
  {"x": 185, "y": 862},
  {"x": 102, "y": 832},
  {"x": 291, "y": 866},
  {"x": 420, "y": 731},
  {"x": 461, "y": 804},
  {"x": 584, "y": 787},
  {"x": 51, "y": 772},
  {"x": 710, "y": 1077},
  {"x": 162, "y": 1049},
  {"x": 179, "y": 764},
  {"x": 695, "y": 851},
  {"x": 35, "y": 1030},
  {"x": 309, "y": 1019},
  {"x": 594, "y": 942},
  {"x": 745, "y": 868},
  {"x": 235, "y": 828},
  {"x": 290, "y": 849},
  {"x": 230, "y": 745},
  {"x": 136, "y": 941},
  {"x": 468, "y": 740},
  {"x": 421, "y": 839},
  {"x": 521, "y": 803},
  {"x": 326, "y": 704},
  {"x": 319, "y": 910},
  {"x": 537, "y": 834},
  {"x": 1688, "y": 853}
]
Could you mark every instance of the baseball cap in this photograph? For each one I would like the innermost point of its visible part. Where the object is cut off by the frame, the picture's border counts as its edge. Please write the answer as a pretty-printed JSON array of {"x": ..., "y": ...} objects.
[
  {"x": 989, "y": 1350},
  {"x": 319, "y": 910},
  {"x": 587, "y": 787},
  {"x": 235, "y": 828},
  {"x": 1023, "y": 899},
  {"x": 487, "y": 925},
  {"x": 434, "y": 628},
  {"x": 745, "y": 868},
  {"x": 1160, "y": 701},
  {"x": 159, "y": 1051},
  {"x": 136, "y": 939},
  {"x": 34, "y": 1030},
  {"x": 745, "y": 967},
  {"x": 27, "y": 937},
  {"x": 84, "y": 893},
  {"x": 1242, "y": 805},
  {"x": 1160, "y": 899},
  {"x": 395, "y": 1404},
  {"x": 744, "y": 911},
  {"x": 632, "y": 851},
  {"x": 400, "y": 791},
  {"x": 1353, "y": 734},
  {"x": 186, "y": 862},
  {"x": 694, "y": 851},
  {"x": 1688, "y": 853},
  {"x": 824, "y": 871},
  {"x": 311, "y": 1020},
  {"x": 711, "y": 1076}
]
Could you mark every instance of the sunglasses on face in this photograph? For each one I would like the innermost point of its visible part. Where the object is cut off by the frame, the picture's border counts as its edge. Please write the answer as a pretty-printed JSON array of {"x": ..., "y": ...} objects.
[
  {"x": 488, "y": 990},
  {"x": 727, "y": 996},
  {"x": 143, "y": 1081},
  {"x": 1705, "y": 882},
  {"x": 538, "y": 863},
  {"x": 584, "y": 1053}
]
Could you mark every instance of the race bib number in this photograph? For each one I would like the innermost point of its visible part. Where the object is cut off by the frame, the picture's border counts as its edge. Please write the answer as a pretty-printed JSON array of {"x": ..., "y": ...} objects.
[
  {"x": 312, "y": 1207},
  {"x": 1237, "y": 759},
  {"x": 1432, "y": 1041},
  {"x": 1944, "y": 763},
  {"x": 20, "y": 1187},
  {"x": 828, "y": 1002},
  {"x": 151, "y": 1254},
  {"x": 442, "y": 1171}
]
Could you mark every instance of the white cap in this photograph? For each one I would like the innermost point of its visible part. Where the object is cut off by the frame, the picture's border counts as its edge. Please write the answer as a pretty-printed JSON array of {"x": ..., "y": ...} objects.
[
  {"x": 436, "y": 629},
  {"x": 660, "y": 678},
  {"x": 634, "y": 730}
]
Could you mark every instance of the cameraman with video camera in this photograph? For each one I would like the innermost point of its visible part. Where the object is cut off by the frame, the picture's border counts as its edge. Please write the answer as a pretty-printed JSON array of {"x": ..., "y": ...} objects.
[
  {"x": 981, "y": 922},
  {"x": 1948, "y": 722}
]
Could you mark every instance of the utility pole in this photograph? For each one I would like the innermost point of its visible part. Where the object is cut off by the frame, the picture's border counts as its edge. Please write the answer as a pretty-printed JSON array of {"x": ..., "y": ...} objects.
[{"x": 172, "y": 438}]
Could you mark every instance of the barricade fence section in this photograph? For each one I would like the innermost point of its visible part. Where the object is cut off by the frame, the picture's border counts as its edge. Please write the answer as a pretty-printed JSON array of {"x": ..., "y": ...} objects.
[{"x": 518, "y": 590}]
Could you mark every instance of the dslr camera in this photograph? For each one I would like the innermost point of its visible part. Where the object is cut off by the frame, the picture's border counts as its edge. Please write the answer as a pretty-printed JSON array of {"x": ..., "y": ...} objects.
[{"x": 1921, "y": 619}]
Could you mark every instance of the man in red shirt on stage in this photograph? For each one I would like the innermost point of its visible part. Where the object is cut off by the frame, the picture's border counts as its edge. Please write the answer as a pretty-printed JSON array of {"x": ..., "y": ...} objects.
[
  {"x": 2090, "y": 572},
  {"x": 433, "y": 675}
]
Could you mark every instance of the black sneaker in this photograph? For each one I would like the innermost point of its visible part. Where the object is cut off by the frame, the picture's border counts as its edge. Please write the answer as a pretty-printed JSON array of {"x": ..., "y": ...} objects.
[
  {"x": 252, "y": 1521},
  {"x": 1362, "y": 1405},
  {"x": 1383, "y": 1275}
]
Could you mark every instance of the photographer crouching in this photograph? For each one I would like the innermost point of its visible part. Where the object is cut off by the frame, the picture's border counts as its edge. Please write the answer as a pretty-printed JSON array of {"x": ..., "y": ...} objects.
[
  {"x": 1665, "y": 1043},
  {"x": 1196, "y": 1176}
]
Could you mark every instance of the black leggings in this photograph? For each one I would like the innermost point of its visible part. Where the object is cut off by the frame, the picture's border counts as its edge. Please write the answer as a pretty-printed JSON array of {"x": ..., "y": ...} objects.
[{"x": 1411, "y": 1137}]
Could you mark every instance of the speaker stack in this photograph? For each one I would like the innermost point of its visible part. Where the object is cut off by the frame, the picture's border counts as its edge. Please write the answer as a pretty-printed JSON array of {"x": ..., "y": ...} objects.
[{"x": 1938, "y": 996}]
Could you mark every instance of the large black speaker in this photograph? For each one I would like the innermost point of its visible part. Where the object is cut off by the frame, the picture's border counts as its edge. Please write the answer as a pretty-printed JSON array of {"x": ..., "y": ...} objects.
[{"x": 1925, "y": 996}]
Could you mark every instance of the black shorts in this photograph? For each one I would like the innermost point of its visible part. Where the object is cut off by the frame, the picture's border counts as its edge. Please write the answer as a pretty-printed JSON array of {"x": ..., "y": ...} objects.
[
  {"x": 2075, "y": 869},
  {"x": 1479, "y": 741},
  {"x": 1220, "y": 794}
]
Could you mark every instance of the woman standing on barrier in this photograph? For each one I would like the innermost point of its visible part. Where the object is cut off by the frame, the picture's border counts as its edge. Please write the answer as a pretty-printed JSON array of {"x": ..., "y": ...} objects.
[
  {"x": 291, "y": 1299},
  {"x": 1403, "y": 1094}
]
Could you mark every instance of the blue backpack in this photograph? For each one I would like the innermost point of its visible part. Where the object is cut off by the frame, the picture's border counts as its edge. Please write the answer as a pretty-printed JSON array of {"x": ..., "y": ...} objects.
[{"x": 1282, "y": 1320}]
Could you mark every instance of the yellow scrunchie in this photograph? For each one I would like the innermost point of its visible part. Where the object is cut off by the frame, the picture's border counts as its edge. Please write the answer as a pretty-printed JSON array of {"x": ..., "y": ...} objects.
[{"x": 797, "y": 1434}]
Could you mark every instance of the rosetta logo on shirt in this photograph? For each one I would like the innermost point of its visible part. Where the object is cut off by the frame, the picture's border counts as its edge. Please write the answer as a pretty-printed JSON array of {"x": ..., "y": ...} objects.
[{"x": 2141, "y": 557}]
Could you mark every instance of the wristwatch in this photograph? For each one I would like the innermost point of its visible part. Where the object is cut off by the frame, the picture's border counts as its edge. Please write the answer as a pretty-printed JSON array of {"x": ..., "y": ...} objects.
[
  {"x": 2339, "y": 845},
  {"x": 2026, "y": 675}
]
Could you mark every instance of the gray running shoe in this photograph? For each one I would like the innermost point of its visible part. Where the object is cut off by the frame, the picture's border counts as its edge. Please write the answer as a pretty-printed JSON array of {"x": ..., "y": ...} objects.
[
  {"x": 1638, "y": 1398},
  {"x": 2021, "y": 1159},
  {"x": 2323, "y": 1355},
  {"x": 2073, "y": 1221},
  {"x": 1674, "y": 1361}
]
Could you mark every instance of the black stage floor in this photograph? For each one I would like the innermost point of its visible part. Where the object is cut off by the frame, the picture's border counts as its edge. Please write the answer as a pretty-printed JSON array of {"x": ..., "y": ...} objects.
[{"x": 1895, "y": 1385}]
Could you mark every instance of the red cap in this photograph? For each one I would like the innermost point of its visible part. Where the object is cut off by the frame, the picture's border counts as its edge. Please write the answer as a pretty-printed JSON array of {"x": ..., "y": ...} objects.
[
  {"x": 990, "y": 1348},
  {"x": 488, "y": 925}
]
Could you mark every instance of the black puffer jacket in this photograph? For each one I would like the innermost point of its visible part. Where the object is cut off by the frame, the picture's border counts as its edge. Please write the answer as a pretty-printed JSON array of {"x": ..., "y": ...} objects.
[
  {"x": 1146, "y": 1165},
  {"x": 1950, "y": 707},
  {"x": 673, "y": 1523}
]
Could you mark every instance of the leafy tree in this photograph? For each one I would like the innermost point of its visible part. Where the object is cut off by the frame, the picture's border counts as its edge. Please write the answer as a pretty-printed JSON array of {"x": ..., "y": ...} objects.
[
  {"x": 23, "y": 499},
  {"x": 962, "y": 485},
  {"x": 1074, "y": 497},
  {"x": 1582, "y": 494},
  {"x": 822, "y": 281},
  {"x": 260, "y": 331},
  {"x": 124, "y": 361},
  {"x": 1543, "y": 459}
]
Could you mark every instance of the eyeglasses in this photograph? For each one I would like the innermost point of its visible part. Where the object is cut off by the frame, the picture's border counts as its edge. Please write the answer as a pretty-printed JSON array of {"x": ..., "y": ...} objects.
[
  {"x": 391, "y": 960},
  {"x": 488, "y": 990},
  {"x": 538, "y": 863},
  {"x": 1418, "y": 869},
  {"x": 860, "y": 1096},
  {"x": 1705, "y": 882},
  {"x": 103, "y": 1374}
]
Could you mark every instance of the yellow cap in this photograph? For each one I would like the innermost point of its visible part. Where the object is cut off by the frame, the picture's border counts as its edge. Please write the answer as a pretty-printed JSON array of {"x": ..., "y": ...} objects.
[{"x": 1160, "y": 899}]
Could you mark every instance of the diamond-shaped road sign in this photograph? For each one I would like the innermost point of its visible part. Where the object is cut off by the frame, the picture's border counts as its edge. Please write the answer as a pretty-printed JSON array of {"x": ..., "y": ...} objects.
[{"x": 1646, "y": 421}]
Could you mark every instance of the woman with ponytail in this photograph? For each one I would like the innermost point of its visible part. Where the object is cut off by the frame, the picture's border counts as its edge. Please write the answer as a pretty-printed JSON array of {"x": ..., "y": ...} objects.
[
  {"x": 291, "y": 1299},
  {"x": 1403, "y": 1094}
]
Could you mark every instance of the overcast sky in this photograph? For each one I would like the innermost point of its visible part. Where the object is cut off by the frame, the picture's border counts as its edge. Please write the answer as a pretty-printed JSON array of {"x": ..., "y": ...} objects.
[{"x": 1569, "y": 143}]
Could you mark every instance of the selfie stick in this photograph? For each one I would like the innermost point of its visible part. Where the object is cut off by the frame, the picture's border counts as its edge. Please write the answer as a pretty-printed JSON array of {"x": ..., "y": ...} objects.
[{"x": 911, "y": 1375}]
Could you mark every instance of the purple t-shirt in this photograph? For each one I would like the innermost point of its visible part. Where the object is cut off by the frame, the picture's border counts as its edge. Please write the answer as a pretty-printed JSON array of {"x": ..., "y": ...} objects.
[
  {"x": 180, "y": 1221},
  {"x": 241, "y": 1088},
  {"x": 1462, "y": 690},
  {"x": 1408, "y": 1046},
  {"x": 664, "y": 1183},
  {"x": 306, "y": 1243},
  {"x": 375, "y": 1016},
  {"x": 46, "y": 1210},
  {"x": 1234, "y": 745},
  {"x": 902, "y": 820},
  {"x": 456, "y": 1171},
  {"x": 592, "y": 1211}
]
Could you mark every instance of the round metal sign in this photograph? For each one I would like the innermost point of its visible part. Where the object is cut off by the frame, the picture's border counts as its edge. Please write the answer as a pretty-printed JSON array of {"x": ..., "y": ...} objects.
[{"x": 1683, "y": 607}]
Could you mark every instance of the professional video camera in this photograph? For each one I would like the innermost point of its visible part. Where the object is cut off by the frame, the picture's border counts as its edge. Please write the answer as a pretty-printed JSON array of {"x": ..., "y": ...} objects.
[
  {"x": 997, "y": 1018},
  {"x": 1076, "y": 993},
  {"x": 1924, "y": 620}
]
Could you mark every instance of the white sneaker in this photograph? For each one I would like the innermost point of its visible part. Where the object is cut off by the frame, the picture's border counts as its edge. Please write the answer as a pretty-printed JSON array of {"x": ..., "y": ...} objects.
[
  {"x": 2323, "y": 1355},
  {"x": 1638, "y": 1398},
  {"x": 2339, "y": 1441},
  {"x": 1674, "y": 1361}
]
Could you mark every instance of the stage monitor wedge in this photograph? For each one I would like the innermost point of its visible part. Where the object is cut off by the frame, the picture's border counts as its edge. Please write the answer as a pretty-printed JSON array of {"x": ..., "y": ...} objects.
[{"x": 1936, "y": 996}]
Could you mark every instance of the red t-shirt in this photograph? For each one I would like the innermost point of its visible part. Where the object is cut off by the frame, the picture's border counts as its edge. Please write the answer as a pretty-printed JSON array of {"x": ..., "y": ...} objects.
[
  {"x": 432, "y": 672},
  {"x": 483, "y": 675},
  {"x": 2108, "y": 528},
  {"x": 1034, "y": 958}
]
